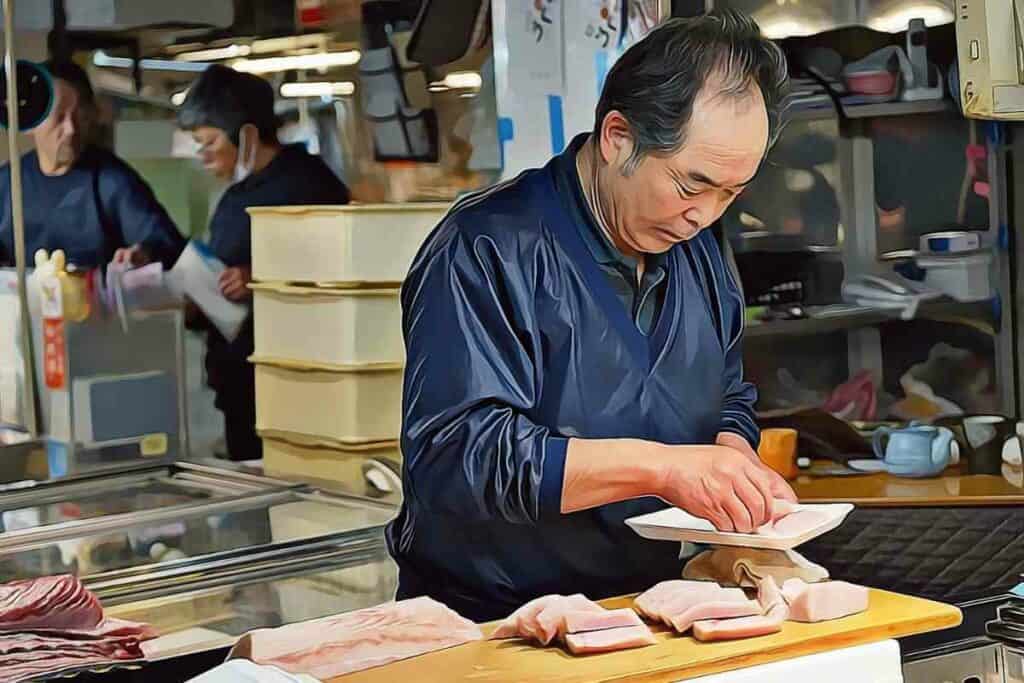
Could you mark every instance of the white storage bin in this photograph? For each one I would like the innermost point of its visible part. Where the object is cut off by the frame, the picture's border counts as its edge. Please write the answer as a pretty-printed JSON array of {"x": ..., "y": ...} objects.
[
  {"x": 353, "y": 403},
  {"x": 369, "y": 469},
  {"x": 965, "y": 278},
  {"x": 352, "y": 245},
  {"x": 336, "y": 326}
]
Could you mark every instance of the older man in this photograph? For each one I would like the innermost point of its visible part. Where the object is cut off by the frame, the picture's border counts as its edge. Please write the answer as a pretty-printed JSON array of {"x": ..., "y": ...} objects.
[
  {"x": 81, "y": 198},
  {"x": 574, "y": 341}
]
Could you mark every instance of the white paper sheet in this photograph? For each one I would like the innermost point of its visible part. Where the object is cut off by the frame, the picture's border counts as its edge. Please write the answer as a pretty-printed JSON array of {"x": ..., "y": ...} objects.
[{"x": 196, "y": 275}]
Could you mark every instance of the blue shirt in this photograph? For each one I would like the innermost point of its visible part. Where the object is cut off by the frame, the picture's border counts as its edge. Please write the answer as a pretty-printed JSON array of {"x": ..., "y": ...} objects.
[
  {"x": 516, "y": 341},
  {"x": 100, "y": 205}
]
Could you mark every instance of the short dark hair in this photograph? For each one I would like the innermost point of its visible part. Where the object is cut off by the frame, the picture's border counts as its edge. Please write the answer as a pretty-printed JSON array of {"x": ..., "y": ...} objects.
[
  {"x": 655, "y": 83},
  {"x": 73, "y": 75},
  {"x": 227, "y": 99}
]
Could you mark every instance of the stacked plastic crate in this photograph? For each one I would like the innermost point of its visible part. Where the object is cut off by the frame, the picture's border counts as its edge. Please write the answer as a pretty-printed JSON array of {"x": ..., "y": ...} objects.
[{"x": 329, "y": 353}]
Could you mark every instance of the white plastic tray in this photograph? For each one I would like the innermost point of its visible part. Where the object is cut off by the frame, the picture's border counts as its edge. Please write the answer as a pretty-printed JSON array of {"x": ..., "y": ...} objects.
[
  {"x": 673, "y": 524},
  {"x": 337, "y": 326},
  {"x": 355, "y": 244}
]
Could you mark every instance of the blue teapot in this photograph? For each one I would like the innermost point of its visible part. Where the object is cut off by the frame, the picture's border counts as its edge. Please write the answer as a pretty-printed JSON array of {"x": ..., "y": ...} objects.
[{"x": 914, "y": 451}]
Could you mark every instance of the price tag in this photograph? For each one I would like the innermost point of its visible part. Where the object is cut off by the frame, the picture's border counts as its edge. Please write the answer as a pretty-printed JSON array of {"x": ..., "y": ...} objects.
[{"x": 153, "y": 445}]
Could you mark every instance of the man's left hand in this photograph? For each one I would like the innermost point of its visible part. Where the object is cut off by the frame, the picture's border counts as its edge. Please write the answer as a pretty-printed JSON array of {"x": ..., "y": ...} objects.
[
  {"x": 780, "y": 487},
  {"x": 136, "y": 255}
]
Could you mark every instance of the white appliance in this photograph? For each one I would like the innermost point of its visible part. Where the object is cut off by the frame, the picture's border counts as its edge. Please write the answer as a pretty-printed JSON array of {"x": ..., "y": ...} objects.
[{"x": 990, "y": 58}]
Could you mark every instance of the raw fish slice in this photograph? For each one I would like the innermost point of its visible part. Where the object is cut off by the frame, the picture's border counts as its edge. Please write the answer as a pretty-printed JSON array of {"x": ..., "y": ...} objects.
[{"x": 609, "y": 640}]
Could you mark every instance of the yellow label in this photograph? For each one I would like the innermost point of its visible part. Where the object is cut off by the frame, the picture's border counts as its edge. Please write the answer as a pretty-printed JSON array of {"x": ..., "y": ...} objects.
[{"x": 153, "y": 445}]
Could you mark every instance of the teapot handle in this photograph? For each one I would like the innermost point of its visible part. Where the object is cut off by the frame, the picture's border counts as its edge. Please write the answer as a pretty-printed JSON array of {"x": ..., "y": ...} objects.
[{"x": 881, "y": 433}]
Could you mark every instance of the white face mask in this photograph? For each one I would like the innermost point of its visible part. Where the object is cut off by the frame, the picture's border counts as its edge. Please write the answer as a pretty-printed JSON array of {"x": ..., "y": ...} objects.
[{"x": 246, "y": 156}]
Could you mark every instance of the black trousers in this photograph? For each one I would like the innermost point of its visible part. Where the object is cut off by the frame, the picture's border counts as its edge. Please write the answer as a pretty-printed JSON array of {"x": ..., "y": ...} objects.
[{"x": 233, "y": 380}]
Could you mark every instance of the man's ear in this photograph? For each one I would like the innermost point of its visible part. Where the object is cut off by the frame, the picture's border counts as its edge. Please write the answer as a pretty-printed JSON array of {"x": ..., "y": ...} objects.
[{"x": 616, "y": 141}]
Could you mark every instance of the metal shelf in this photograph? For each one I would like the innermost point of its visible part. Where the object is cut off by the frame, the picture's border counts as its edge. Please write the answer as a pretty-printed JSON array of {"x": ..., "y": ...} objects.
[
  {"x": 836, "y": 317},
  {"x": 864, "y": 111}
]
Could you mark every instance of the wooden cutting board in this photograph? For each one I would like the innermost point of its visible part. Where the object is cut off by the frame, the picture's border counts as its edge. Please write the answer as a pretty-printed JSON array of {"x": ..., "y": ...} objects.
[{"x": 673, "y": 658}]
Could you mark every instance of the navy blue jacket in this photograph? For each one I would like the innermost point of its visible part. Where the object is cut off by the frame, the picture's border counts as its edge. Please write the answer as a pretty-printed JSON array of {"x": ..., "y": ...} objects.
[
  {"x": 516, "y": 342},
  {"x": 98, "y": 206}
]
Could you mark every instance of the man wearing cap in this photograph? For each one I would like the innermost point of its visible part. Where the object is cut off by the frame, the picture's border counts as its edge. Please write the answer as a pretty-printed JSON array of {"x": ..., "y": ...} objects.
[
  {"x": 231, "y": 117},
  {"x": 79, "y": 197}
]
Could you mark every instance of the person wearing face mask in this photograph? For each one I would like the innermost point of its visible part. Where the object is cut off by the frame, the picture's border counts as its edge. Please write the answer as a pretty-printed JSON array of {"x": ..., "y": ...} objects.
[
  {"x": 231, "y": 118},
  {"x": 79, "y": 197}
]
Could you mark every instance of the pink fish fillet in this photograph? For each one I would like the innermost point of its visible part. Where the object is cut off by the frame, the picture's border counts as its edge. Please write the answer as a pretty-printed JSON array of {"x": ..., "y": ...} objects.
[
  {"x": 550, "y": 621},
  {"x": 609, "y": 640},
  {"x": 703, "y": 611},
  {"x": 541, "y": 618},
  {"x": 813, "y": 602},
  {"x": 509, "y": 628},
  {"x": 794, "y": 524},
  {"x": 650, "y": 602},
  {"x": 746, "y": 627},
  {"x": 582, "y": 622},
  {"x": 775, "y": 611}
]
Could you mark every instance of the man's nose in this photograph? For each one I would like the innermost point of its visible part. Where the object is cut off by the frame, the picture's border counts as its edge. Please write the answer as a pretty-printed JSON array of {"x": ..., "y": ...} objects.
[{"x": 705, "y": 209}]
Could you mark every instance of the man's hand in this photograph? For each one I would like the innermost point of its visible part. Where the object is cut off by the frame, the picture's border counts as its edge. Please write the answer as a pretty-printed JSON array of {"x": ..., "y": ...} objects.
[
  {"x": 136, "y": 255},
  {"x": 234, "y": 283},
  {"x": 719, "y": 484},
  {"x": 780, "y": 488}
]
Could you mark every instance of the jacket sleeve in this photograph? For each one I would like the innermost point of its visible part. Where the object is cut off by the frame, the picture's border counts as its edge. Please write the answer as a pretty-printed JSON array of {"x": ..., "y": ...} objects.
[
  {"x": 136, "y": 212},
  {"x": 738, "y": 395},
  {"x": 471, "y": 380}
]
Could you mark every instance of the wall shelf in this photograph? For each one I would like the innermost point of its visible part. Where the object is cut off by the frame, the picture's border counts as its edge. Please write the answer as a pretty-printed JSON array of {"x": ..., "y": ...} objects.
[
  {"x": 836, "y": 317},
  {"x": 864, "y": 111}
]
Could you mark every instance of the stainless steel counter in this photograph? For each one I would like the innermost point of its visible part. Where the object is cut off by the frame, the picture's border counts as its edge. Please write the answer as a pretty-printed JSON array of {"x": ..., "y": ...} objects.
[{"x": 203, "y": 553}]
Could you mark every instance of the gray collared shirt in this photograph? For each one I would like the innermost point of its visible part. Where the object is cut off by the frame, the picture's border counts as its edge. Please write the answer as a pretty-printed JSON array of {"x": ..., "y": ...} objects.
[{"x": 642, "y": 299}]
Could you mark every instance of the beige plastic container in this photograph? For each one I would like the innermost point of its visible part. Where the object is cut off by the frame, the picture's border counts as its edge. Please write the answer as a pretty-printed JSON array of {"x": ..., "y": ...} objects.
[
  {"x": 334, "y": 326},
  {"x": 369, "y": 469},
  {"x": 357, "y": 245},
  {"x": 341, "y": 403}
]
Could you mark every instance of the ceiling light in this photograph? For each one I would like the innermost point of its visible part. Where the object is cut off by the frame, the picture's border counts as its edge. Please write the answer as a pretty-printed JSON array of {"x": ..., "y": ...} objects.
[
  {"x": 101, "y": 58},
  {"x": 778, "y": 29},
  {"x": 319, "y": 61},
  {"x": 934, "y": 14},
  {"x": 178, "y": 98},
  {"x": 309, "y": 40},
  {"x": 213, "y": 54},
  {"x": 317, "y": 89}
]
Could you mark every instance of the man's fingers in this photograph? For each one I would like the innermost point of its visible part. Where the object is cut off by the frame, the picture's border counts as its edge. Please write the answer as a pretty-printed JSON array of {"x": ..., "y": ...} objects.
[
  {"x": 757, "y": 501},
  {"x": 780, "y": 488},
  {"x": 738, "y": 514},
  {"x": 763, "y": 484}
]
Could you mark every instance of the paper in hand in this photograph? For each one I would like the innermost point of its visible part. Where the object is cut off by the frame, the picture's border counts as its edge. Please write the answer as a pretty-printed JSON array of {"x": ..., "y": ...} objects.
[{"x": 196, "y": 275}]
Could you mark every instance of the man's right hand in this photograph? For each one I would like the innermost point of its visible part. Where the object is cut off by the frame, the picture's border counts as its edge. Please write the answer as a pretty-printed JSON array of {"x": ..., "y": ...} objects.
[{"x": 719, "y": 484}]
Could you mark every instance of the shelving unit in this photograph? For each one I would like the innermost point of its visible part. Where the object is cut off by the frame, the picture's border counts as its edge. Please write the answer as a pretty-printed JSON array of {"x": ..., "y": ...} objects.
[
  {"x": 864, "y": 111},
  {"x": 860, "y": 253},
  {"x": 837, "y": 317}
]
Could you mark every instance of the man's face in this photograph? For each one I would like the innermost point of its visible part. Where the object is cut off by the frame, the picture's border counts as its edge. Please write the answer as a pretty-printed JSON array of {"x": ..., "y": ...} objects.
[
  {"x": 667, "y": 200},
  {"x": 216, "y": 151},
  {"x": 61, "y": 136}
]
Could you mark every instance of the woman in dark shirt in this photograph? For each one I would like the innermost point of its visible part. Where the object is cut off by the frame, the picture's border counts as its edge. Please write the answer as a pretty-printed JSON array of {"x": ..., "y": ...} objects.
[{"x": 231, "y": 117}]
